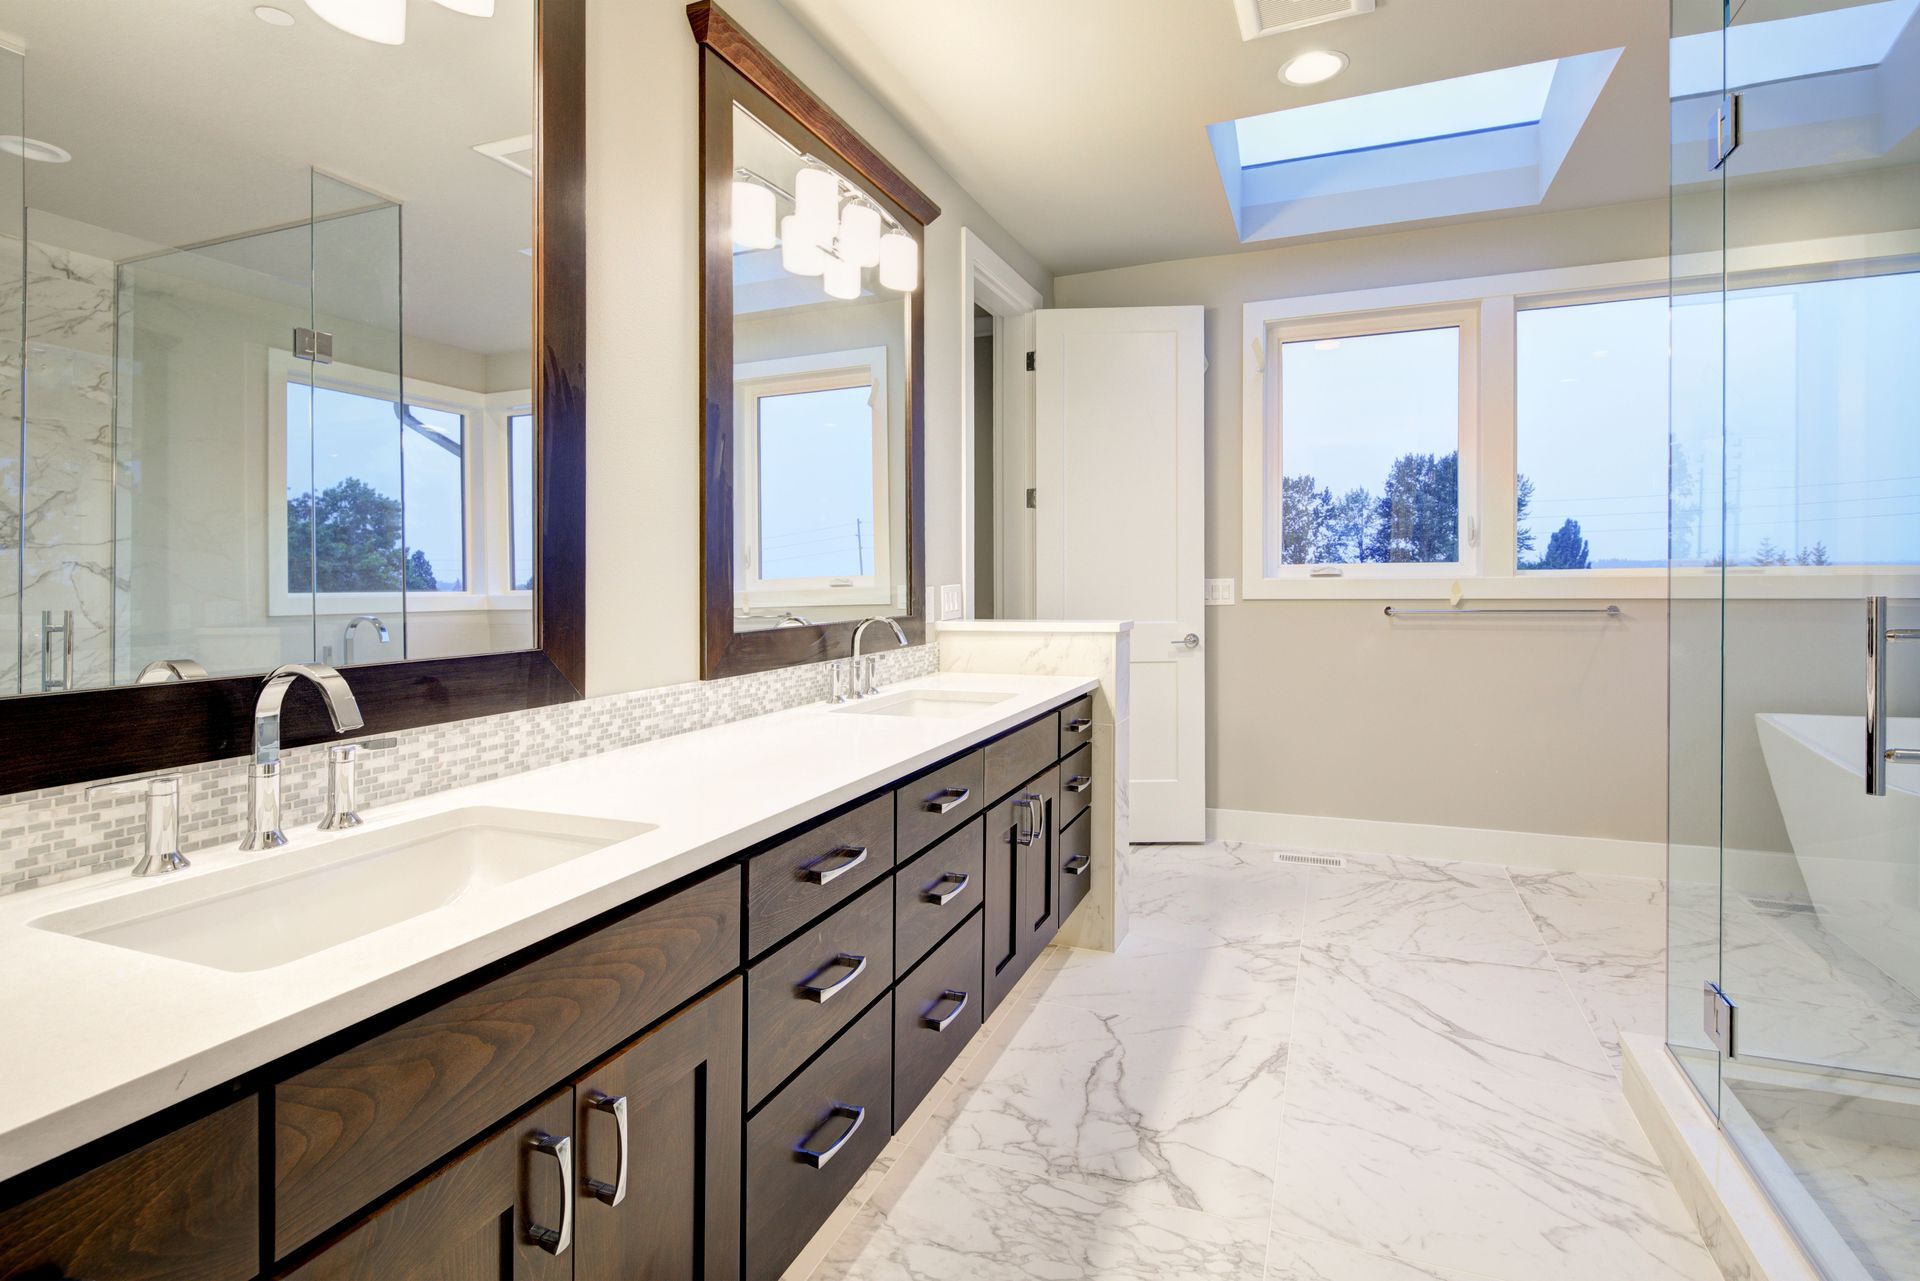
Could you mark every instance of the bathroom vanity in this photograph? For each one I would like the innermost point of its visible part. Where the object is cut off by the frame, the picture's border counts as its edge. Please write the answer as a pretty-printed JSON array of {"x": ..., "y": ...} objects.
[{"x": 671, "y": 1055}]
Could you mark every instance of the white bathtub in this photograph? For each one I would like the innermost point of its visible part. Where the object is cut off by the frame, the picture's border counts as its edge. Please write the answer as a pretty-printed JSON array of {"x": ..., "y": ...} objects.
[{"x": 1859, "y": 854}]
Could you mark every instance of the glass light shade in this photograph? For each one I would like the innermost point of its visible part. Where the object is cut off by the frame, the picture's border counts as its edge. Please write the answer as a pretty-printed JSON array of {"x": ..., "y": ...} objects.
[
  {"x": 381, "y": 21},
  {"x": 900, "y": 262},
  {"x": 842, "y": 278},
  {"x": 816, "y": 202},
  {"x": 753, "y": 221},
  {"x": 800, "y": 254},
  {"x": 472, "y": 8},
  {"x": 860, "y": 234}
]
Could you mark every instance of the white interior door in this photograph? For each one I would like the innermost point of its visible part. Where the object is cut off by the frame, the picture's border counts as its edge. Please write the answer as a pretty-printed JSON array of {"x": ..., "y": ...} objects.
[{"x": 1118, "y": 421}]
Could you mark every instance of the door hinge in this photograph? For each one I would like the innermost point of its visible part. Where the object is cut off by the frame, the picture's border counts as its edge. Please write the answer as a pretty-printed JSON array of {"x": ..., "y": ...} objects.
[
  {"x": 313, "y": 344},
  {"x": 1718, "y": 1017},
  {"x": 1033, "y": 498},
  {"x": 1726, "y": 131},
  {"x": 1029, "y": 362}
]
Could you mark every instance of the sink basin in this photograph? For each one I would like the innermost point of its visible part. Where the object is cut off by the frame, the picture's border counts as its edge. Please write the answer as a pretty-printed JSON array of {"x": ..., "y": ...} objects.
[
  {"x": 944, "y": 703},
  {"x": 259, "y": 915}
]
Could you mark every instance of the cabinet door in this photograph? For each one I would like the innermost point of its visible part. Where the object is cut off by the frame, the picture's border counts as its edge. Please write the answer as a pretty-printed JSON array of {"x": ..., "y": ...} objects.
[
  {"x": 666, "y": 1206},
  {"x": 1022, "y": 888},
  {"x": 1039, "y": 868},
  {"x": 477, "y": 1217}
]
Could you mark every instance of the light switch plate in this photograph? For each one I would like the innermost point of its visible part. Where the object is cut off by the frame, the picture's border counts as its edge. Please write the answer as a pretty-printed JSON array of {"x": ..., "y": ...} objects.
[
  {"x": 1220, "y": 591},
  {"x": 949, "y": 601}
]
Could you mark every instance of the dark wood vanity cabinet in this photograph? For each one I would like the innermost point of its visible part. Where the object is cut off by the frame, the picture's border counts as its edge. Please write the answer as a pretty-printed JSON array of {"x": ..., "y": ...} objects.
[{"x": 1023, "y": 888}]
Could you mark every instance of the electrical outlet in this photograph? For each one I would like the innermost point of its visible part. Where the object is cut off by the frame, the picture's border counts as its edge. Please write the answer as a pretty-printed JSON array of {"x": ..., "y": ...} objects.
[
  {"x": 949, "y": 601},
  {"x": 1220, "y": 591}
]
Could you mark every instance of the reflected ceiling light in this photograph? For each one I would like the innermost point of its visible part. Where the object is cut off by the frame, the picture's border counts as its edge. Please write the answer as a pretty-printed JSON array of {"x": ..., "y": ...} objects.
[
  {"x": 841, "y": 278},
  {"x": 271, "y": 16},
  {"x": 860, "y": 234},
  {"x": 900, "y": 262},
  {"x": 753, "y": 214},
  {"x": 381, "y": 21},
  {"x": 1314, "y": 67},
  {"x": 472, "y": 8},
  {"x": 34, "y": 149},
  {"x": 800, "y": 253},
  {"x": 816, "y": 201}
]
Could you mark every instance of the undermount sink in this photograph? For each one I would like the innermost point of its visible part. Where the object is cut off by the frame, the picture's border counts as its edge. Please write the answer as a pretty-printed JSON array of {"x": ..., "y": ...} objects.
[
  {"x": 943, "y": 703},
  {"x": 259, "y": 915}
]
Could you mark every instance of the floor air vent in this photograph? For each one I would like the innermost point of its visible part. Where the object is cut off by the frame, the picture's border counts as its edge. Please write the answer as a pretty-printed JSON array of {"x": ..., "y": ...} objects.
[
  {"x": 1310, "y": 860},
  {"x": 1271, "y": 17}
]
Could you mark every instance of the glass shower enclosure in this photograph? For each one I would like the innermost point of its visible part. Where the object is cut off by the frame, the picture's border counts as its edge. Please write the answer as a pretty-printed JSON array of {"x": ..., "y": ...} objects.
[{"x": 1793, "y": 999}]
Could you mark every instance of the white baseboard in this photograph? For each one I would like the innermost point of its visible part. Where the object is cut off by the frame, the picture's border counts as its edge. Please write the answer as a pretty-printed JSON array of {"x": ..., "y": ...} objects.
[{"x": 1545, "y": 850}]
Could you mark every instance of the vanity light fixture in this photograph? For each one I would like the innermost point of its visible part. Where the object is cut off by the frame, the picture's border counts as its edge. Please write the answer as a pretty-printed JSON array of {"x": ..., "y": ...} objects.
[
  {"x": 272, "y": 16},
  {"x": 800, "y": 254},
  {"x": 841, "y": 278},
  {"x": 899, "y": 262},
  {"x": 1316, "y": 66},
  {"x": 472, "y": 8},
  {"x": 34, "y": 149},
  {"x": 860, "y": 234},
  {"x": 753, "y": 213},
  {"x": 816, "y": 201},
  {"x": 381, "y": 21}
]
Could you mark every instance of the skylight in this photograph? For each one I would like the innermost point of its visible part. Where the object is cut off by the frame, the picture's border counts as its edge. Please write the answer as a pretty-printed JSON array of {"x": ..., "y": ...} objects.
[
  {"x": 1807, "y": 44},
  {"x": 1488, "y": 100}
]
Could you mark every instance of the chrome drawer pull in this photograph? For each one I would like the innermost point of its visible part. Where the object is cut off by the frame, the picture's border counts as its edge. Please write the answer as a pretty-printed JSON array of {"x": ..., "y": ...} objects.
[
  {"x": 946, "y": 799},
  {"x": 555, "y": 1241},
  {"x": 1078, "y": 725},
  {"x": 818, "y": 1158},
  {"x": 1079, "y": 783},
  {"x": 854, "y": 855},
  {"x": 1029, "y": 807},
  {"x": 940, "y": 1025},
  {"x": 959, "y": 881},
  {"x": 821, "y": 995},
  {"x": 616, "y": 1105},
  {"x": 1077, "y": 866}
]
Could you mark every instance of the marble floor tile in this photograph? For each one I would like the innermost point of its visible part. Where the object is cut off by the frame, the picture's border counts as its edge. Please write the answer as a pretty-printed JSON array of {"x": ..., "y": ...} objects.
[
  {"x": 1448, "y": 911},
  {"x": 1204, "y": 895},
  {"x": 1608, "y": 937},
  {"x": 1291, "y": 1258}
]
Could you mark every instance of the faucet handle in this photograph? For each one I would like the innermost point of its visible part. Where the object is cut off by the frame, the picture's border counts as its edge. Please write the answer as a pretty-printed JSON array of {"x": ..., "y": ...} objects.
[
  {"x": 151, "y": 784},
  {"x": 343, "y": 804},
  {"x": 162, "y": 838}
]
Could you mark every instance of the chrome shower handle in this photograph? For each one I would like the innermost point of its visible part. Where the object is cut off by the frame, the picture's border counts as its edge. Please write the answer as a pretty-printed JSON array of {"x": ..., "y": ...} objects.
[{"x": 1879, "y": 636}]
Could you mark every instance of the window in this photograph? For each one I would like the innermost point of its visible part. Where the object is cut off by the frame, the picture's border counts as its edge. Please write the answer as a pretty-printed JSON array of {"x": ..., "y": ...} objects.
[
  {"x": 1364, "y": 457},
  {"x": 520, "y": 435}
]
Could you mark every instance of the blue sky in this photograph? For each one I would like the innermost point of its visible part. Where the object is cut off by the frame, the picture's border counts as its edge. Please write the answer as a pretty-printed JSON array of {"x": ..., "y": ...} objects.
[{"x": 816, "y": 486}]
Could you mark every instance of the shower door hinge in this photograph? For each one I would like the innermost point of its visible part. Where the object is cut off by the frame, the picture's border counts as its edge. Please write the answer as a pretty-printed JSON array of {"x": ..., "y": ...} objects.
[
  {"x": 313, "y": 344},
  {"x": 1726, "y": 130},
  {"x": 1029, "y": 362},
  {"x": 1717, "y": 1016}
]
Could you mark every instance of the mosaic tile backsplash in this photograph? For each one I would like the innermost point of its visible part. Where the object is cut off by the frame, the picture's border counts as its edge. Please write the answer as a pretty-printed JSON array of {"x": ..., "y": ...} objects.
[{"x": 60, "y": 833}]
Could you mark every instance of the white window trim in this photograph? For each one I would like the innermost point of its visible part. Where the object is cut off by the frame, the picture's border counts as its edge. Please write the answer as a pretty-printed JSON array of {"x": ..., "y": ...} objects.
[
  {"x": 786, "y": 375},
  {"x": 1498, "y": 300},
  {"x": 487, "y": 506}
]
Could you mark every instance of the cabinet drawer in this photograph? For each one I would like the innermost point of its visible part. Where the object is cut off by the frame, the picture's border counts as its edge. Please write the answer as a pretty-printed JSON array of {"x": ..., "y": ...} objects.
[
  {"x": 1076, "y": 784},
  {"x": 186, "y": 1206},
  {"x": 936, "y": 1011},
  {"x": 1076, "y": 864},
  {"x": 936, "y": 891},
  {"x": 1016, "y": 758},
  {"x": 799, "y": 995},
  {"x": 814, "y": 1139},
  {"x": 932, "y": 804},
  {"x": 350, "y": 1129},
  {"x": 816, "y": 871},
  {"x": 1076, "y": 724}
]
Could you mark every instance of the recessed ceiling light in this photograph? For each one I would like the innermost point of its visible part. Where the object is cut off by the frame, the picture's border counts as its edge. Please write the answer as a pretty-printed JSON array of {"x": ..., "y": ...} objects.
[
  {"x": 34, "y": 149},
  {"x": 271, "y": 16},
  {"x": 1313, "y": 67}
]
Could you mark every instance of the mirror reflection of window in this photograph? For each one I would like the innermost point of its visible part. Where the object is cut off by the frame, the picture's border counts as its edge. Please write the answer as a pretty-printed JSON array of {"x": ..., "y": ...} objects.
[
  {"x": 520, "y": 438},
  {"x": 816, "y": 483}
]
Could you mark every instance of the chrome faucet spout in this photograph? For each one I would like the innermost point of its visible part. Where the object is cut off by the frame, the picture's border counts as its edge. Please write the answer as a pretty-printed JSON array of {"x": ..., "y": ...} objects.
[
  {"x": 263, "y": 776},
  {"x": 863, "y": 682},
  {"x": 379, "y": 629}
]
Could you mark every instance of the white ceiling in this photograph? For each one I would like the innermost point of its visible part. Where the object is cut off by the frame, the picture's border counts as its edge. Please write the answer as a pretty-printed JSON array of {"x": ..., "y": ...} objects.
[
  {"x": 191, "y": 121},
  {"x": 1081, "y": 124}
]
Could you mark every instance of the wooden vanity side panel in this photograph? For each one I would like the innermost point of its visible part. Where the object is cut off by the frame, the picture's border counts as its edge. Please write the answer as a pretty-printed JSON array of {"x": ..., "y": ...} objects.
[
  {"x": 185, "y": 1207},
  {"x": 352, "y": 1128}
]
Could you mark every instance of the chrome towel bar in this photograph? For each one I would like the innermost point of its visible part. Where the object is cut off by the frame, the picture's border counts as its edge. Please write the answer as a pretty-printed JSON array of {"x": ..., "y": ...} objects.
[{"x": 1611, "y": 611}]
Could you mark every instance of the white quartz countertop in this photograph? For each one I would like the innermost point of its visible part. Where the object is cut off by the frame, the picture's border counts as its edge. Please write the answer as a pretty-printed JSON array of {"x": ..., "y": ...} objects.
[{"x": 95, "y": 1036}]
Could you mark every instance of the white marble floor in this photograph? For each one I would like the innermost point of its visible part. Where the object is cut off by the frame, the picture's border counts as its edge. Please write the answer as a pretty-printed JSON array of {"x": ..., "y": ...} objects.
[{"x": 1387, "y": 1071}]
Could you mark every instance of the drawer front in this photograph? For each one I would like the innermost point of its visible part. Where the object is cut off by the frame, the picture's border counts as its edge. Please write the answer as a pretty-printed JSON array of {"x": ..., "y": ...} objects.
[
  {"x": 350, "y": 1129},
  {"x": 1076, "y": 724},
  {"x": 936, "y": 1011},
  {"x": 799, "y": 995},
  {"x": 936, "y": 891},
  {"x": 1016, "y": 758},
  {"x": 1076, "y": 784},
  {"x": 926, "y": 808},
  {"x": 813, "y": 873},
  {"x": 185, "y": 1207},
  {"x": 1076, "y": 864},
  {"x": 790, "y": 1193}
]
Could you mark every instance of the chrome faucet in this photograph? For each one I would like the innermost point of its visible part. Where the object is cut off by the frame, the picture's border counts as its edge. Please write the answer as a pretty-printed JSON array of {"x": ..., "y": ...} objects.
[
  {"x": 263, "y": 776},
  {"x": 863, "y": 682},
  {"x": 162, "y": 670},
  {"x": 379, "y": 628},
  {"x": 161, "y": 852}
]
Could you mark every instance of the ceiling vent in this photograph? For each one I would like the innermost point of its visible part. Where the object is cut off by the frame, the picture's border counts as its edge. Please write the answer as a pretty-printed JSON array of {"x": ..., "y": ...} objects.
[{"x": 1271, "y": 17}]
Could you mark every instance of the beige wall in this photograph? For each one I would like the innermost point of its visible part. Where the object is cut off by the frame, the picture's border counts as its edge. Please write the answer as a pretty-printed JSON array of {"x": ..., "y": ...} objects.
[{"x": 643, "y": 481}]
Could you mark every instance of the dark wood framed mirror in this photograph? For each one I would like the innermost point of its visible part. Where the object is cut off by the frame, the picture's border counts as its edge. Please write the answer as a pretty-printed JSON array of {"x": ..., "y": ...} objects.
[
  {"x": 123, "y": 727},
  {"x": 812, "y": 347}
]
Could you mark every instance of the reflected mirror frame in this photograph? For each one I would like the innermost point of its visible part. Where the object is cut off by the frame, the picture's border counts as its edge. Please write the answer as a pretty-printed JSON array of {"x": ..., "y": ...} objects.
[
  {"x": 734, "y": 68},
  {"x": 77, "y": 736}
]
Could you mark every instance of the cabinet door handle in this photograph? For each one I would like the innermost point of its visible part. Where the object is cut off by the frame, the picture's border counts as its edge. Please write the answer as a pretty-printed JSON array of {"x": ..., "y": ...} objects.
[
  {"x": 854, "y": 855},
  {"x": 941, "y": 1024},
  {"x": 822, "y": 994},
  {"x": 804, "y": 1151},
  {"x": 946, "y": 799},
  {"x": 555, "y": 1240},
  {"x": 959, "y": 881},
  {"x": 615, "y": 1105},
  {"x": 1029, "y": 807},
  {"x": 1079, "y": 783},
  {"x": 1079, "y": 725},
  {"x": 1077, "y": 866}
]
